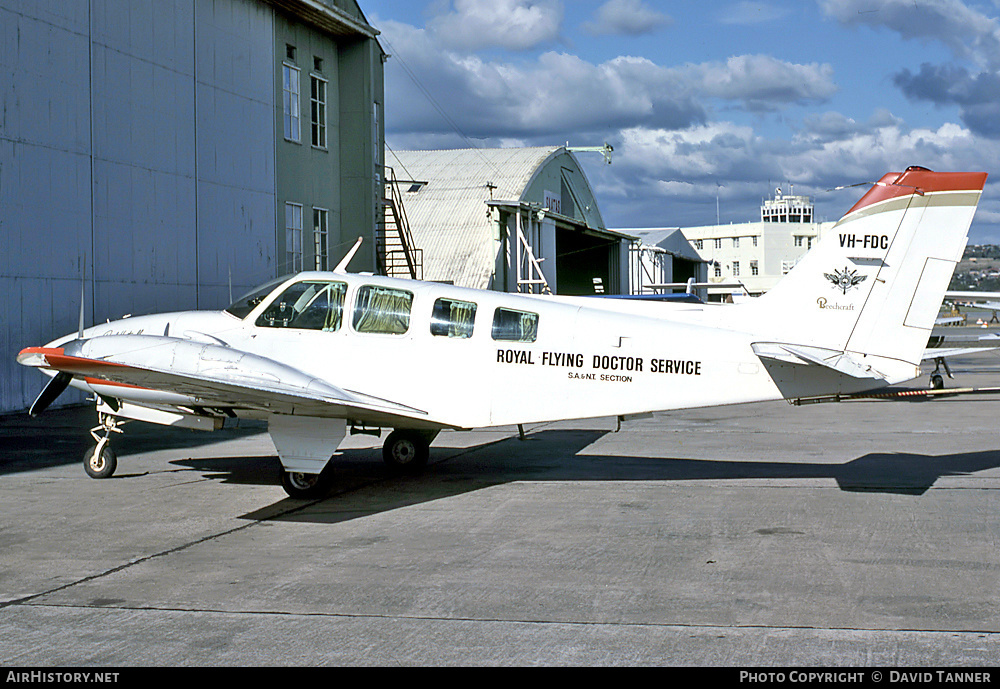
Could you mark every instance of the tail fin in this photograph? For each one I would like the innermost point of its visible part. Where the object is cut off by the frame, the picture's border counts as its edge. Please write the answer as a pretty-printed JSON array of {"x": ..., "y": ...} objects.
[{"x": 863, "y": 301}]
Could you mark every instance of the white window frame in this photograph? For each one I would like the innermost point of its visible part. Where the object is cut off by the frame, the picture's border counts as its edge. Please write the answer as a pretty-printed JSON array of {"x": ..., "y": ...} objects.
[
  {"x": 321, "y": 237},
  {"x": 290, "y": 88},
  {"x": 293, "y": 236},
  {"x": 317, "y": 104}
]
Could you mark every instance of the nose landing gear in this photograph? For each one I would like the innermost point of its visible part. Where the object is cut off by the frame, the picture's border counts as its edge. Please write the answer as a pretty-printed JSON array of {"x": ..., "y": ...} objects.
[{"x": 100, "y": 461}]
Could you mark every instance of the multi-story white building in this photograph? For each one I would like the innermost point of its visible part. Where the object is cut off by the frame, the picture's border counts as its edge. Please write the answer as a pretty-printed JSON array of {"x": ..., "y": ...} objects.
[{"x": 757, "y": 254}]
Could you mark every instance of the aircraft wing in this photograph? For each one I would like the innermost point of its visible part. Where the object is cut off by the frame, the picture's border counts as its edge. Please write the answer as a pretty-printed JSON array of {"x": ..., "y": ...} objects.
[
  {"x": 931, "y": 354},
  {"x": 214, "y": 376}
]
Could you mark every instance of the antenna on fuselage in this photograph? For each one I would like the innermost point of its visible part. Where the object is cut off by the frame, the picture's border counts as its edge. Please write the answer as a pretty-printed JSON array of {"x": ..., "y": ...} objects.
[{"x": 342, "y": 266}]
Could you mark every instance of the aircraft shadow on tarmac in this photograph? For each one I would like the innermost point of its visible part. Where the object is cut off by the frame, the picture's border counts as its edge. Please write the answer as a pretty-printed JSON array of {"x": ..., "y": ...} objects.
[
  {"x": 62, "y": 437},
  {"x": 364, "y": 485}
]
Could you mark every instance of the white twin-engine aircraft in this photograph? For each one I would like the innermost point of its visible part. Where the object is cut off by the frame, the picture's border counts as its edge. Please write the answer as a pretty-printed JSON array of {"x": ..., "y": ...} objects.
[{"x": 319, "y": 353}]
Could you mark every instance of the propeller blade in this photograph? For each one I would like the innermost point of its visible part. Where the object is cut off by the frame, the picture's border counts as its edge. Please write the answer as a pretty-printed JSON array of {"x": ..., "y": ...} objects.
[{"x": 49, "y": 394}]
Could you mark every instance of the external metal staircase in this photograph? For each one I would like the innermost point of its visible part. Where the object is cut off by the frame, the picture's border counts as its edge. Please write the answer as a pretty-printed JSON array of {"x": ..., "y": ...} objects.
[{"x": 397, "y": 256}]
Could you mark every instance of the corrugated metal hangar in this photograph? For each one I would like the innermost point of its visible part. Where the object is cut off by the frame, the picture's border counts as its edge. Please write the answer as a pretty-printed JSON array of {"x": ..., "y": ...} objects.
[
  {"x": 167, "y": 153},
  {"x": 509, "y": 219},
  {"x": 663, "y": 256}
]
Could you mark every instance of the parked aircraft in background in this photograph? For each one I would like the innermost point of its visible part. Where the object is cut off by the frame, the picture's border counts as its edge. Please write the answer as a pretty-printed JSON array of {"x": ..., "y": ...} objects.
[
  {"x": 319, "y": 354},
  {"x": 990, "y": 301}
]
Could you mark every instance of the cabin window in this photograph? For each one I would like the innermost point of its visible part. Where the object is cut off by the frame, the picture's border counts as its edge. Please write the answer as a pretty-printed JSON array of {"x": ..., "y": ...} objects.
[
  {"x": 382, "y": 310},
  {"x": 452, "y": 318},
  {"x": 515, "y": 326},
  {"x": 307, "y": 306}
]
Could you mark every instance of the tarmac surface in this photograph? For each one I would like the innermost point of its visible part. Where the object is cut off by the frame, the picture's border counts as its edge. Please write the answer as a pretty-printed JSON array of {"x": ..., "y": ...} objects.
[{"x": 853, "y": 534}]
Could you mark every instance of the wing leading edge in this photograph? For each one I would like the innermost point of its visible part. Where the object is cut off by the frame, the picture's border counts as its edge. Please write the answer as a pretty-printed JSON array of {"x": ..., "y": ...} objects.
[{"x": 145, "y": 367}]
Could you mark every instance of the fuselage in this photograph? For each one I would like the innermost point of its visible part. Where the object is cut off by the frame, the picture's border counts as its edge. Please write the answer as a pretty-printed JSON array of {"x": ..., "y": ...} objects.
[{"x": 471, "y": 358}]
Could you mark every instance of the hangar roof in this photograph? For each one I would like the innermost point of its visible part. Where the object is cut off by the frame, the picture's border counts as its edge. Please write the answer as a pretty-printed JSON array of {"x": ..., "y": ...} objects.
[
  {"x": 445, "y": 195},
  {"x": 670, "y": 239}
]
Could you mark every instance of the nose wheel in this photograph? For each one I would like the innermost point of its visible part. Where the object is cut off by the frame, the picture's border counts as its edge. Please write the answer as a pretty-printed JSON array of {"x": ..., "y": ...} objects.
[{"x": 101, "y": 461}]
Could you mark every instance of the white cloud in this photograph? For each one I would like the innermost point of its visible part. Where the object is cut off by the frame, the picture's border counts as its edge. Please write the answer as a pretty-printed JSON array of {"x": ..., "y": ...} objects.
[
  {"x": 563, "y": 95},
  {"x": 765, "y": 83},
  {"x": 510, "y": 24},
  {"x": 967, "y": 32},
  {"x": 749, "y": 13},
  {"x": 670, "y": 178},
  {"x": 626, "y": 17}
]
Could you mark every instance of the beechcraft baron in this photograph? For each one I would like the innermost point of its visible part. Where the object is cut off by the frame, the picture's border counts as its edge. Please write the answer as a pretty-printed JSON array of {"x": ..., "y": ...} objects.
[{"x": 320, "y": 353}]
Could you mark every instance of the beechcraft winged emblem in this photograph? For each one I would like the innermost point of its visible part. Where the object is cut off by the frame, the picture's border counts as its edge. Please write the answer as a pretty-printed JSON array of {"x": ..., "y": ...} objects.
[{"x": 846, "y": 279}]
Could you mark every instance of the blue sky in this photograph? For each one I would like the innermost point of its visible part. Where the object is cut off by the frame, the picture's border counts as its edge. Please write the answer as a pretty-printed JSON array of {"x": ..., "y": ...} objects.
[{"x": 705, "y": 100}]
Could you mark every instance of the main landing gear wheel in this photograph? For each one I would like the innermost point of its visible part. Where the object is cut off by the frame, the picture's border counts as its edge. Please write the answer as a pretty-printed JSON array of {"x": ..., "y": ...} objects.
[
  {"x": 937, "y": 380},
  {"x": 100, "y": 461},
  {"x": 306, "y": 486},
  {"x": 407, "y": 450}
]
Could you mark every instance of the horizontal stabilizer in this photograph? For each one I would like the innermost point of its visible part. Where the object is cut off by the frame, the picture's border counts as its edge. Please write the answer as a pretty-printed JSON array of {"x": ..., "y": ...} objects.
[{"x": 841, "y": 362}]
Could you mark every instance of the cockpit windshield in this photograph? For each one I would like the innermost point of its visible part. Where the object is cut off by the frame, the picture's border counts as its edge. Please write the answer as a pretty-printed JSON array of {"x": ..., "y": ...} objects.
[
  {"x": 308, "y": 305},
  {"x": 242, "y": 307}
]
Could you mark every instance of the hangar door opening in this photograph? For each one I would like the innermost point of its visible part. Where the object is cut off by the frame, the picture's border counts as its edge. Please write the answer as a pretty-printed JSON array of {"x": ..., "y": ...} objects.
[
  {"x": 684, "y": 270},
  {"x": 586, "y": 263}
]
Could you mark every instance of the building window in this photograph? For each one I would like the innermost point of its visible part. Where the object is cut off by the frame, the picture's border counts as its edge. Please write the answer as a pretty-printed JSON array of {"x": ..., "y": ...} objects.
[
  {"x": 317, "y": 64},
  {"x": 736, "y": 269},
  {"x": 755, "y": 240},
  {"x": 736, "y": 242},
  {"x": 321, "y": 237},
  {"x": 699, "y": 244},
  {"x": 317, "y": 110},
  {"x": 293, "y": 236},
  {"x": 718, "y": 243},
  {"x": 718, "y": 270},
  {"x": 798, "y": 240},
  {"x": 290, "y": 52},
  {"x": 376, "y": 138},
  {"x": 753, "y": 268},
  {"x": 290, "y": 94}
]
